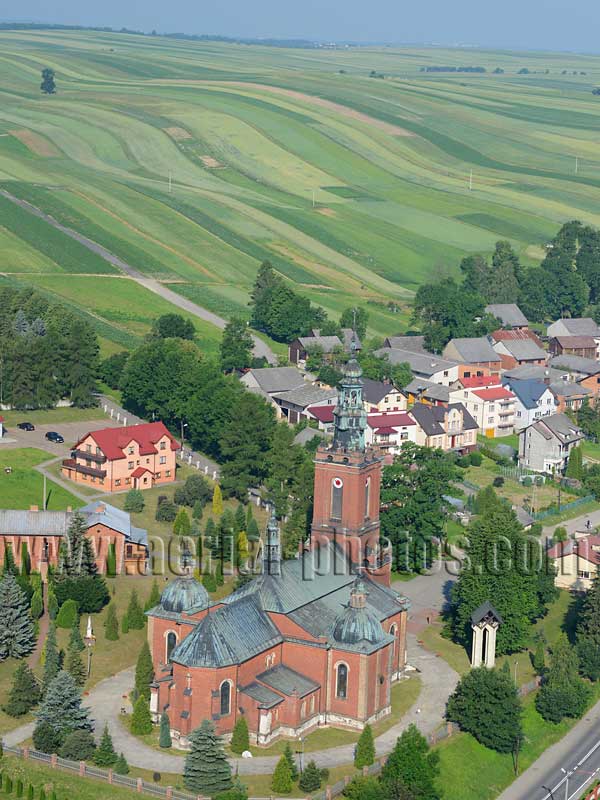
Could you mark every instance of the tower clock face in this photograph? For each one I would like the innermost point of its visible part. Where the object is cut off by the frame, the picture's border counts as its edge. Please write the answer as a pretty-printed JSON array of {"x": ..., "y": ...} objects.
[{"x": 338, "y": 483}]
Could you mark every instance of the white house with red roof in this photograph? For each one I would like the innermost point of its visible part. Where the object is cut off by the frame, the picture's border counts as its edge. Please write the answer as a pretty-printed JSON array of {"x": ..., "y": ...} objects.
[
  {"x": 492, "y": 407},
  {"x": 576, "y": 562},
  {"x": 389, "y": 431},
  {"x": 131, "y": 457}
]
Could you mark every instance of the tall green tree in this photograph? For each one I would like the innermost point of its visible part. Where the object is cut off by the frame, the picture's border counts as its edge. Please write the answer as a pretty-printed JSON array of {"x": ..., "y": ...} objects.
[
  {"x": 236, "y": 346},
  {"x": 24, "y": 694},
  {"x": 111, "y": 624},
  {"x": 141, "y": 721},
  {"x": 17, "y": 635},
  {"x": 105, "y": 755},
  {"x": 173, "y": 326},
  {"x": 51, "y": 658},
  {"x": 165, "y": 731},
  {"x": 364, "y": 754},
  {"x": 61, "y": 708},
  {"x": 575, "y": 464},
  {"x": 245, "y": 444},
  {"x": 281, "y": 782},
  {"x": 357, "y": 318},
  {"x": 563, "y": 693},
  {"x": 135, "y": 613},
  {"x": 206, "y": 769},
  {"x": 588, "y": 632},
  {"x": 411, "y": 766},
  {"x": 240, "y": 739},
  {"x": 144, "y": 672},
  {"x": 182, "y": 525},
  {"x": 48, "y": 84},
  {"x": 75, "y": 666}
]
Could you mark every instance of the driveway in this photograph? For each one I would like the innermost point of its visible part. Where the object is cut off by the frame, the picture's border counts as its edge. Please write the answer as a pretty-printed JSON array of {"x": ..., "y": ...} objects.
[{"x": 71, "y": 431}]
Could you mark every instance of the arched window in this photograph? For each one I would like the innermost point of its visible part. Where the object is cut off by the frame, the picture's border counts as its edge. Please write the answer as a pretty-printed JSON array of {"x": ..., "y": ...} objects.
[
  {"x": 341, "y": 682},
  {"x": 367, "y": 497},
  {"x": 171, "y": 643},
  {"x": 225, "y": 698},
  {"x": 337, "y": 493}
]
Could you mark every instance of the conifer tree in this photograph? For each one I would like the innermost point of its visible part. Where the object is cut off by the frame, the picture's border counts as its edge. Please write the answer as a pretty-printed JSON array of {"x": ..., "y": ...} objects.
[
  {"x": 199, "y": 551},
  {"x": 105, "y": 755},
  {"x": 281, "y": 782},
  {"x": 111, "y": 561},
  {"x": 111, "y": 623},
  {"x": 206, "y": 769},
  {"x": 217, "y": 501},
  {"x": 364, "y": 755},
  {"x": 75, "y": 638},
  {"x": 76, "y": 556},
  {"x": 310, "y": 780},
  {"x": 239, "y": 519},
  {"x": 575, "y": 464},
  {"x": 198, "y": 510},
  {"x": 25, "y": 560},
  {"x": 125, "y": 623},
  {"x": 144, "y": 672},
  {"x": 37, "y": 605},
  {"x": 121, "y": 766},
  {"x": 154, "y": 598},
  {"x": 78, "y": 746},
  {"x": 164, "y": 739},
  {"x": 51, "y": 658},
  {"x": 563, "y": 693},
  {"x": 240, "y": 739},
  {"x": 24, "y": 694},
  {"x": 182, "y": 525},
  {"x": 61, "y": 708},
  {"x": 135, "y": 615},
  {"x": 17, "y": 636},
  {"x": 411, "y": 767},
  {"x": 75, "y": 667},
  {"x": 253, "y": 532},
  {"x": 538, "y": 658},
  {"x": 588, "y": 632},
  {"x": 289, "y": 756},
  {"x": 141, "y": 721}
]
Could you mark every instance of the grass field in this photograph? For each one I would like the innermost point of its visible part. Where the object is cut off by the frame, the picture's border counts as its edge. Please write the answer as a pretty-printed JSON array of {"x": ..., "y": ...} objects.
[
  {"x": 23, "y": 486},
  {"x": 353, "y": 187}
]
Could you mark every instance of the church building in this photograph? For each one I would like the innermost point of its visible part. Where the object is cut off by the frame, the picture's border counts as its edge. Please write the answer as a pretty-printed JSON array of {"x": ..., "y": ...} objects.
[{"x": 312, "y": 641}]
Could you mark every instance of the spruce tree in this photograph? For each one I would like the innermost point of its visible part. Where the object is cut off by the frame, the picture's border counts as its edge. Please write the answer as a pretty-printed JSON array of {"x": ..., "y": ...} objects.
[
  {"x": 135, "y": 614},
  {"x": 240, "y": 739},
  {"x": 61, "y": 708},
  {"x": 289, "y": 756},
  {"x": 538, "y": 658},
  {"x": 563, "y": 693},
  {"x": 75, "y": 667},
  {"x": 75, "y": 638},
  {"x": 154, "y": 598},
  {"x": 144, "y": 672},
  {"x": 105, "y": 755},
  {"x": 575, "y": 464},
  {"x": 164, "y": 739},
  {"x": 364, "y": 755},
  {"x": 182, "y": 525},
  {"x": 37, "y": 605},
  {"x": 198, "y": 510},
  {"x": 121, "y": 766},
  {"x": 281, "y": 782},
  {"x": 78, "y": 746},
  {"x": 217, "y": 501},
  {"x": 111, "y": 623},
  {"x": 141, "y": 721},
  {"x": 210, "y": 535},
  {"x": 206, "y": 769},
  {"x": 253, "y": 532},
  {"x": 17, "y": 635},
  {"x": 240, "y": 519},
  {"x": 411, "y": 767},
  {"x": 51, "y": 658},
  {"x": 25, "y": 560},
  {"x": 24, "y": 694},
  {"x": 310, "y": 780},
  {"x": 588, "y": 632}
]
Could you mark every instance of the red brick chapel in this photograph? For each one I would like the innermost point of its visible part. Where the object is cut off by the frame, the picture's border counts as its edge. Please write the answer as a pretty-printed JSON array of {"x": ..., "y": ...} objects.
[{"x": 312, "y": 641}]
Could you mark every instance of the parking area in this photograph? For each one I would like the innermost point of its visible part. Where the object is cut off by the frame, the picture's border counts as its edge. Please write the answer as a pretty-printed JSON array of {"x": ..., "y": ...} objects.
[{"x": 70, "y": 431}]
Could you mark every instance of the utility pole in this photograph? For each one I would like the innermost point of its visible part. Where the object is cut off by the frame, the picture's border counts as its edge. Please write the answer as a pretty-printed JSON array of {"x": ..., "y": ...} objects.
[{"x": 45, "y": 495}]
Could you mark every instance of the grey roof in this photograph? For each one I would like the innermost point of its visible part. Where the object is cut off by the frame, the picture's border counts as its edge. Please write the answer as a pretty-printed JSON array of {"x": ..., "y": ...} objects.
[
  {"x": 327, "y": 344},
  {"x": 264, "y": 696},
  {"x": 486, "y": 609},
  {"x": 422, "y": 363},
  {"x": 375, "y": 391},
  {"x": 307, "y": 435},
  {"x": 34, "y": 523},
  {"x": 473, "y": 350},
  {"x": 287, "y": 681},
  {"x": 230, "y": 635},
  {"x": 100, "y": 513},
  {"x": 523, "y": 349},
  {"x": 432, "y": 391},
  {"x": 585, "y": 366},
  {"x": 431, "y": 418},
  {"x": 414, "y": 344},
  {"x": 509, "y": 314},
  {"x": 534, "y": 372},
  {"x": 524, "y": 517},
  {"x": 183, "y": 595},
  {"x": 527, "y": 391},
  {"x": 306, "y": 395},
  {"x": 560, "y": 426},
  {"x": 356, "y": 625},
  {"x": 277, "y": 379},
  {"x": 568, "y": 389},
  {"x": 576, "y": 326}
]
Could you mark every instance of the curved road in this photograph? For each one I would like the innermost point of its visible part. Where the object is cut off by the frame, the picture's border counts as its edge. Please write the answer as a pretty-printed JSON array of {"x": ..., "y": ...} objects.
[{"x": 261, "y": 349}]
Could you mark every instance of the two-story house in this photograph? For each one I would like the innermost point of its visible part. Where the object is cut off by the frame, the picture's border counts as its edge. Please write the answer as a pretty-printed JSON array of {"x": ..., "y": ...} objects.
[
  {"x": 533, "y": 400},
  {"x": 390, "y": 431},
  {"x": 131, "y": 457},
  {"x": 382, "y": 396},
  {"x": 475, "y": 355},
  {"x": 451, "y": 428},
  {"x": 493, "y": 408},
  {"x": 520, "y": 352},
  {"x": 577, "y": 326},
  {"x": 426, "y": 366},
  {"x": 545, "y": 445},
  {"x": 509, "y": 315}
]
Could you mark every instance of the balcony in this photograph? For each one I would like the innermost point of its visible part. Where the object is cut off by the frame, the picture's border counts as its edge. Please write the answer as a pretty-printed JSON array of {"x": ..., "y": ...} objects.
[
  {"x": 83, "y": 454},
  {"x": 70, "y": 463}
]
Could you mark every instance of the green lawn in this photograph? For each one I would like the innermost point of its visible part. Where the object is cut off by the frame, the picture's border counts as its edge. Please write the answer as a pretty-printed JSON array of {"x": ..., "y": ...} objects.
[
  {"x": 23, "y": 486},
  {"x": 52, "y": 416}
]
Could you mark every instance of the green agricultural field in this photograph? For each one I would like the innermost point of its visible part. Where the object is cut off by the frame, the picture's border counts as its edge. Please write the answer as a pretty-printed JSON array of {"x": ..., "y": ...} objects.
[
  {"x": 23, "y": 486},
  {"x": 194, "y": 161}
]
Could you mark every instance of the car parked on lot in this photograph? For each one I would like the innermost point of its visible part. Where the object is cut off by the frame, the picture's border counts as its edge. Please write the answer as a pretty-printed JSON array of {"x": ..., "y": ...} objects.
[
  {"x": 53, "y": 436},
  {"x": 26, "y": 426}
]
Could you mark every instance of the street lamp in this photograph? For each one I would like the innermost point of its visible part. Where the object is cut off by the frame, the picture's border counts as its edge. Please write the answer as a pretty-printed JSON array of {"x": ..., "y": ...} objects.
[
  {"x": 90, "y": 641},
  {"x": 301, "y": 754},
  {"x": 567, "y": 775},
  {"x": 183, "y": 426}
]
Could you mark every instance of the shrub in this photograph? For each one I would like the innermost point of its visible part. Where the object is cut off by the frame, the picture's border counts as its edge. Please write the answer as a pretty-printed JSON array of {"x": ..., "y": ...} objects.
[
  {"x": 476, "y": 458},
  {"x": 498, "y": 481},
  {"x": 68, "y": 614},
  {"x": 166, "y": 512},
  {"x": 310, "y": 780},
  {"x": 281, "y": 782},
  {"x": 78, "y": 746},
  {"x": 46, "y": 739},
  {"x": 240, "y": 739},
  {"x": 134, "y": 501},
  {"x": 527, "y": 481},
  {"x": 463, "y": 461},
  {"x": 141, "y": 721},
  {"x": 209, "y": 582}
]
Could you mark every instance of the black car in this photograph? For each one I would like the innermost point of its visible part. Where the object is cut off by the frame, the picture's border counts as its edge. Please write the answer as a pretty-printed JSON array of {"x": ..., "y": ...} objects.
[
  {"x": 26, "y": 426},
  {"x": 53, "y": 436}
]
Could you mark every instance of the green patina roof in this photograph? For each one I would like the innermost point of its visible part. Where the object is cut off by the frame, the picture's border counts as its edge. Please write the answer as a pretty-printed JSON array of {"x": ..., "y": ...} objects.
[
  {"x": 184, "y": 594},
  {"x": 287, "y": 681}
]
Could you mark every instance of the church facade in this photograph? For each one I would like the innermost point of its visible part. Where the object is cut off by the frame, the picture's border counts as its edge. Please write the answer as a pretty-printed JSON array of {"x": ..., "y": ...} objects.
[{"x": 316, "y": 640}]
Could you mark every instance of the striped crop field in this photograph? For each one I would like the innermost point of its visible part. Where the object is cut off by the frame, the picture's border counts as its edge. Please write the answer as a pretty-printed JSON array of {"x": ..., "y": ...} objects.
[{"x": 195, "y": 161}]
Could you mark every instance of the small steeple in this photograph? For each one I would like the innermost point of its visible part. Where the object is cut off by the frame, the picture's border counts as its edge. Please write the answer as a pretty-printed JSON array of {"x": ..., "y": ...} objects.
[
  {"x": 358, "y": 594},
  {"x": 350, "y": 417},
  {"x": 272, "y": 547}
]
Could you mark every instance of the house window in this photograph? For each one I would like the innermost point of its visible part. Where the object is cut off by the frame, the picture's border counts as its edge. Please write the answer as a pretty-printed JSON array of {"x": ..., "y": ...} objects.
[
  {"x": 467, "y": 374},
  {"x": 225, "y": 698},
  {"x": 147, "y": 461},
  {"x": 162, "y": 445},
  {"x": 88, "y": 447},
  {"x": 582, "y": 573},
  {"x": 118, "y": 482},
  {"x": 171, "y": 642},
  {"x": 129, "y": 550},
  {"x": 157, "y": 476},
  {"x": 162, "y": 460},
  {"x": 337, "y": 493},
  {"x": 130, "y": 465},
  {"x": 341, "y": 682},
  {"x": 130, "y": 451},
  {"x": 98, "y": 451},
  {"x": 445, "y": 373},
  {"x": 127, "y": 481},
  {"x": 168, "y": 473}
]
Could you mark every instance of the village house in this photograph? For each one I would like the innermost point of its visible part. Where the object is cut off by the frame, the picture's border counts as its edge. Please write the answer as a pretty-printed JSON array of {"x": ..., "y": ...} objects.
[
  {"x": 533, "y": 400},
  {"x": 492, "y": 407},
  {"x": 131, "y": 457},
  {"x": 578, "y": 326},
  {"x": 569, "y": 396},
  {"x": 509, "y": 314},
  {"x": 576, "y": 562},
  {"x": 520, "y": 352},
  {"x": 414, "y": 344},
  {"x": 313, "y": 641},
  {"x": 390, "y": 431},
  {"x": 383, "y": 396},
  {"x": 422, "y": 391},
  {"x": 545, "y": 445},
  {"x": 327, "y": 346},
  {"x": 476, "y": 356},
  {"x": 269, "y": 381},
  {"x": 582, "y": 346},
  {"x": 451, "y": 428},
  {"x": 297, "y": 404},
  {"x": 42, "y": 532},
  {"x": 426, "y": 366},
  {"x": 584, "y": 371}
]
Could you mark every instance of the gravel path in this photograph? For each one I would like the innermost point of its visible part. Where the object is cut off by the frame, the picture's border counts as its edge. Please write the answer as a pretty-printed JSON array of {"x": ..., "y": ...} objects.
[{"x": 261, "y": 349}]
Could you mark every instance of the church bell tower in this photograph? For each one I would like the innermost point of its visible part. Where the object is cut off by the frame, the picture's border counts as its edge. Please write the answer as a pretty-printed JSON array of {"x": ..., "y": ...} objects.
[{"x": 348, "y": 482}]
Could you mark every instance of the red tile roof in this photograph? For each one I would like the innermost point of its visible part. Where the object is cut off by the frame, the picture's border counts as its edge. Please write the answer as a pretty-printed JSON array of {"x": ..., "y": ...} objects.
[
  {"x": 113, "y": 441},
  {"x": 139, "y": 471},
  {"x": 389, "y": 421},
  {"x": 502, "y": 335},
  {"x": 322, "y": 413},
  {"x": 479, "y": 381},
  {"x": 583, "y": 548},
  {"x": 498, "y": 393}
]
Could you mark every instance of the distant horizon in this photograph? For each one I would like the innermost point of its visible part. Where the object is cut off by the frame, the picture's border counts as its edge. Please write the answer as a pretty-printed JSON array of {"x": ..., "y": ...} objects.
[{"x": 539, "y": 25}]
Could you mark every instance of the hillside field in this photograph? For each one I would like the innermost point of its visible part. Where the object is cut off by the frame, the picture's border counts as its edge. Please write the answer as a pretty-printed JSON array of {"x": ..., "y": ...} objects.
[{"x": 354, "y": 186}]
